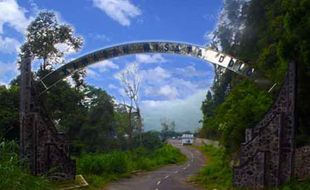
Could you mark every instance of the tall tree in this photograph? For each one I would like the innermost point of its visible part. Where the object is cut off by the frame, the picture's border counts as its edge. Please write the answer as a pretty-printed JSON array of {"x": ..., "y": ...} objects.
[
  {"x": 43, "y": 36},
  {"x": 49, "y": 41},
  {"x": 131, "y": 83}
]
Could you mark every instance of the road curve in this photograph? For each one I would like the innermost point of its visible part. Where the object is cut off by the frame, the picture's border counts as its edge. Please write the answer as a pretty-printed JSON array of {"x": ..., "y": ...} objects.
[{"x": 172, "y": 177}]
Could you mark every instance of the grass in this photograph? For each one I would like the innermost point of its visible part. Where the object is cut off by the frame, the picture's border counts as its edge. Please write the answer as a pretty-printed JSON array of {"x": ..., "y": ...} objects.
[
  {"x": 13, "y": 176},
  {"x": 217, "y": 174},
  {"x": 99, "y": 169}
]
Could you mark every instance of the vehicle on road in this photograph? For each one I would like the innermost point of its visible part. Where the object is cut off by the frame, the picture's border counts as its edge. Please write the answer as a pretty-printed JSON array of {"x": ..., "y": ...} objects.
[{"x": 187, "y": 139}]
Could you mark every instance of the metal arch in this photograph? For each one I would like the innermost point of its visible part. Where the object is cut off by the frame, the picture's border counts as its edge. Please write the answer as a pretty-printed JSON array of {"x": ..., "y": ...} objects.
[{"x": 180, "y": 48}]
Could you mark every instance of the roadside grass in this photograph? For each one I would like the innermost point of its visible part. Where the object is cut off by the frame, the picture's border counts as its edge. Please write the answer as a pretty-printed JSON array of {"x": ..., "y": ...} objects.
[
  {"x": 217, "y": 174},
  {"x": 15, "y": 177},
  {"x": 100, "y": 169}
]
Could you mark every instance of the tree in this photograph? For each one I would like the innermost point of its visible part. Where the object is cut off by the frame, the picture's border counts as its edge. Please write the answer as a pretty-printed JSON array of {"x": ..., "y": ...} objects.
[
  {"x": 97, "y": 133},
  {"x": 9, "y": 115},
  {"x": 168, "y": 128},
  {"x": 131, "y": 83},
  {"x": 49, "y": 40},
  {"x": 44, "y": 34}
]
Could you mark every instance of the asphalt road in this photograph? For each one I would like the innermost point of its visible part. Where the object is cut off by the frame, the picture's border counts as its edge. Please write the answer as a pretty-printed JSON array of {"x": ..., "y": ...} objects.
[{"x": 172, "y": 177}]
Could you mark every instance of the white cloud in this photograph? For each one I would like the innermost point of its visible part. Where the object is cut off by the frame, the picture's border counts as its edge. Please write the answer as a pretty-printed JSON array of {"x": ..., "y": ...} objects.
[
  {"x": 13, "y": 15},
  {"x": 112, "y": 86},
  {"x": 208, "y": 36},
  {"x": 190, "y": 71},
  {"x": 7, "y": 71},
  {"x": 121, "y": 11},
  {"x": 63, "y": 47},
  {"x": 103, "y": 66},
  {"x": 168, "y": 91},
  {"x": 150, "y": 58},
  {"x": 155, "y": 75},
  {"x": 9, "y": 45},
  {"x": 100, "y": 37},
  {"x": 185, "y": 112}
]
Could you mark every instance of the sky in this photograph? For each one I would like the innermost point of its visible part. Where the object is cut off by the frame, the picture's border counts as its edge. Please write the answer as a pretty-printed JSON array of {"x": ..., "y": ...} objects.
[{"x": 172, "y": 87}]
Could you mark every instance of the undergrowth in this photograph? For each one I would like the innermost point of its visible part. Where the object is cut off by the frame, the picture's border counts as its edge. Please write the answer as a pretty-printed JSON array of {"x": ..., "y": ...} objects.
[
  {"x": 99, "y": 169},
  {"x": 15, "y": 177}
]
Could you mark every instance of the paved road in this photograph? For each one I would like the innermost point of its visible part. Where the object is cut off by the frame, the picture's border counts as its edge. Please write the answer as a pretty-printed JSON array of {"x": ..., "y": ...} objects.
[{"x": 173, "y": 177}]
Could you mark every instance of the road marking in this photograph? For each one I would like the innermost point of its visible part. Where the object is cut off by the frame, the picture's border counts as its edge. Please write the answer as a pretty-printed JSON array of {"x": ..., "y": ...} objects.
[
  {"x": 156, "y": 189},
  {"x": 184, "y": 168},
  {"x": 176, "y": 172},
  {"x": 166, "y": 176},
  {"x": 158, "y": 182}
]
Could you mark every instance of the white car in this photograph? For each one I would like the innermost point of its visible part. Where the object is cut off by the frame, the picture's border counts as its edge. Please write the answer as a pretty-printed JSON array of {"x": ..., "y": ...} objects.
[{"x": 187, "y": 139}]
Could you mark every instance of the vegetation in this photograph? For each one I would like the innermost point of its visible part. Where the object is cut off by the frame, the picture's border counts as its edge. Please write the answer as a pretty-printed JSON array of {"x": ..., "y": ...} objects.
[
  {"x": 296, "y": 185},
  {"x": 100, "y": 169},
  {"x": 13, "y": 175},
  {"x": 217, "y": 174},
  {"x": 268, "y": 35},
  {"x": 97, "y": 127}
]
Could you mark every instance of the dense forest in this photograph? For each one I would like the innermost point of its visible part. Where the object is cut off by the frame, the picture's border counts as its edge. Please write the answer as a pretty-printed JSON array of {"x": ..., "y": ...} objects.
[{"x": 266, "y": 34}]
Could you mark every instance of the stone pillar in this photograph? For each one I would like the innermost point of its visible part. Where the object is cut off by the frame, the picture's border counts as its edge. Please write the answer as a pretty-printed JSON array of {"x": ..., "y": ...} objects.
[
  {"x": 43, "y": 149},
  {"x": 25, "y": 109},
  {"x": 273, "y": 138}
]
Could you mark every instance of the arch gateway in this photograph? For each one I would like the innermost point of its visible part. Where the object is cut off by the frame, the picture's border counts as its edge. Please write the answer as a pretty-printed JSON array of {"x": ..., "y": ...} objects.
[
  {"x": 177, "y": 48},
  {"x": 46, "y": 150}
]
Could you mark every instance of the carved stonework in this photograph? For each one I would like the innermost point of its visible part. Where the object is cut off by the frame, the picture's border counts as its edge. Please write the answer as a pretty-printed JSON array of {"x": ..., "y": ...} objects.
[
  {"x": 302, "y": 163},
  {"x": 42, "y": 147},
  {"x": 266, "y": 158}
]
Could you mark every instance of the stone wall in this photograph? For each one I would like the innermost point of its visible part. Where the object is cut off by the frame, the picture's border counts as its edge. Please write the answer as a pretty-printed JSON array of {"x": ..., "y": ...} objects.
[
  {"x": 302, "y": 163},
  {"x": 266, "y": 156}
]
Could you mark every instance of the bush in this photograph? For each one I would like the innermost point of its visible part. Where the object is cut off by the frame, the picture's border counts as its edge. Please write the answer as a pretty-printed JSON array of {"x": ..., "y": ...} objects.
[
  {"x": 12, "y": 175},
  {"x": 102, "y": 168},
  {"x": 149, "y": 140},
  {"x": 296, "y": 185},
  {"x": 103, "y": 164},
  {"x": 217, "y": 174}
]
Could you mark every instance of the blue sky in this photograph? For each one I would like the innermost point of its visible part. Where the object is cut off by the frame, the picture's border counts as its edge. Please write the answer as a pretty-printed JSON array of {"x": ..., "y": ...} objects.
[{"x": 172, "y": 86}]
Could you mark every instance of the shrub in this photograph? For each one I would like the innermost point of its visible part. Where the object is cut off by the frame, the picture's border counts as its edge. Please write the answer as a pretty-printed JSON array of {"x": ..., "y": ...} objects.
[
  {"x": 103, "y": 164},
  {"x": 12, "y": 175},
  {"x": 100, "y": 168},
  {"x": 217, "y": 174}
]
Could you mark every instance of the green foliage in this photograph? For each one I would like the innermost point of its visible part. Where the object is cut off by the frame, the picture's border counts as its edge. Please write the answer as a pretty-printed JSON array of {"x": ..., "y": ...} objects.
[
  {"x": 217, "y": 174},
  {"x": 9, "y": 114},
  {"x": 103, "y": 164},
  {"x": 242, "y": 108},
  {"x": 102, "y": 168},
  {"x": 276, "y": 32},
  {"x": 12, "y": 175},
  {"x": 150, "y": 140},
  {"x": 43, "y": 33},
  {"x": 296, "y": 185}
]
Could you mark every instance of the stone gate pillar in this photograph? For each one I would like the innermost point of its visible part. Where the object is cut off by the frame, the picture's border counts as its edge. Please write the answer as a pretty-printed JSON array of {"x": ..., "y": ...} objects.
[
  {"x": 25, "y": 109},
  {"x": 267, "y": 155},
  {"x": 44, "y": 150}
]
